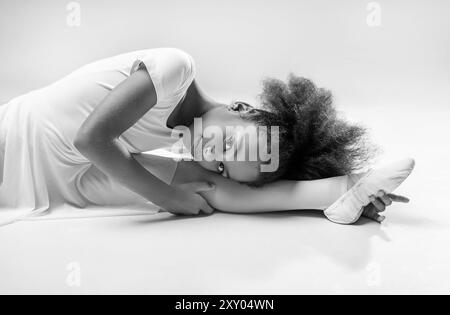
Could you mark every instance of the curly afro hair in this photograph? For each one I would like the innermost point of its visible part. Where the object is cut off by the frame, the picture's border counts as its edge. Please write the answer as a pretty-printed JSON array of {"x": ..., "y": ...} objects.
[{"x": 314, "y": 142}]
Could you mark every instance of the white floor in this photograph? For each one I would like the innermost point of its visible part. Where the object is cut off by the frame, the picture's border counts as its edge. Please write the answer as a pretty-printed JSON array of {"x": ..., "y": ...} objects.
[{"x": 264, "y": 254}]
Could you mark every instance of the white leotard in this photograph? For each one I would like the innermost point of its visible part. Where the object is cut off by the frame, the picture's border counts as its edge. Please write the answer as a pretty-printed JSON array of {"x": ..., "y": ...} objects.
[{"x": 39, "y": 165}]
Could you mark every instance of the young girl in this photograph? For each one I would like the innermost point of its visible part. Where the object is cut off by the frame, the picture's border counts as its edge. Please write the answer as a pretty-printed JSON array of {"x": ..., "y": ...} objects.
[{"x": 82, "y": 141}]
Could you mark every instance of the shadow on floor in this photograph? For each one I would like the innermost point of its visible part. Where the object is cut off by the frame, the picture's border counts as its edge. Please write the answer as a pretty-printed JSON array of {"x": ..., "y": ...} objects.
[{"x": 278, "y": 237}]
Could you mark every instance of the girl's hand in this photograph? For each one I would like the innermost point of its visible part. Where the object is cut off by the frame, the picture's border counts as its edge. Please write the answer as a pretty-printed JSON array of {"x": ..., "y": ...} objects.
[
  {"x": 188, "y": 201},
  {"x": 379, "y": 203}
]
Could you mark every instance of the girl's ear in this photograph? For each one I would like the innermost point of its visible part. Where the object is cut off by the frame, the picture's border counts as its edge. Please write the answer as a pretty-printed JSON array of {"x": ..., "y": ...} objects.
[{"x": 242, "y": 107}]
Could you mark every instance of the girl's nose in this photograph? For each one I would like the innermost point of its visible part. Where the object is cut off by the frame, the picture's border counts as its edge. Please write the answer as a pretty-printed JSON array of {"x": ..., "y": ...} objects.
[{"x": 208, "y": 153}]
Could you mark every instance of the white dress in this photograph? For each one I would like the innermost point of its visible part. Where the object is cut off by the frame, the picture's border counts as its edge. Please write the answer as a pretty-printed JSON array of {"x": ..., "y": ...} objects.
[{"x": 39, "y": 166}]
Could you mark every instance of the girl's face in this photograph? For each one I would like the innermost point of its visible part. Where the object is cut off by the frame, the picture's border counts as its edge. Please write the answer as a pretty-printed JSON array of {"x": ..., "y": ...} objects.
[{"x": 228, "y": 144}]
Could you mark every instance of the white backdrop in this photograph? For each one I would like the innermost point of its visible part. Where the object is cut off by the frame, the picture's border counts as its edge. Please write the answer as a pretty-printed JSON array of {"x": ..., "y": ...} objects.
[{"x": 404, "y": 60}]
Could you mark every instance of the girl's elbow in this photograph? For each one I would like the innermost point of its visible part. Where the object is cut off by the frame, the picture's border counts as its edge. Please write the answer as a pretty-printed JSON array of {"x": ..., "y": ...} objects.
[
  {"x": 81, "y": 141},
  {"x": 85, "y": 142}
]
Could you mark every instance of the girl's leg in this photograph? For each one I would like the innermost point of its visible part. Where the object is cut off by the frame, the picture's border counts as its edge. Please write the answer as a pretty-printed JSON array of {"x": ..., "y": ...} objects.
[
  {"x": 341, "y": 205},
  {"x": 314, "y": 195},
  {"x": 230, "y": 196},
  {"x": 349, "y": 208}
]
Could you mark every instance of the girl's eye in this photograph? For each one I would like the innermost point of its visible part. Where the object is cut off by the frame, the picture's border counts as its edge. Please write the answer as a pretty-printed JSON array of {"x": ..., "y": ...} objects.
[
  {"x": 228, "y": 143},
  {"x": 221, "y": 168}
]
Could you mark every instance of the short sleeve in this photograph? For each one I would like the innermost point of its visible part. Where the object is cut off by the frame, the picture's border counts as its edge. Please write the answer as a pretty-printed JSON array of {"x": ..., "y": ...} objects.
[{"x": 172, "y": 70}]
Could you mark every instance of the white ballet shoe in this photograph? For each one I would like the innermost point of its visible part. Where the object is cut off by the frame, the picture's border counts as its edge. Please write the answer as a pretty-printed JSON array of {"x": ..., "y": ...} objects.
[{"x": 349, "y": 208}]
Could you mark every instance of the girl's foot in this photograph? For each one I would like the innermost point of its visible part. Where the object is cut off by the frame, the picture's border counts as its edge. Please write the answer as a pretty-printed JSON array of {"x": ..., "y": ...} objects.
[{"x": 349, "y": 208}]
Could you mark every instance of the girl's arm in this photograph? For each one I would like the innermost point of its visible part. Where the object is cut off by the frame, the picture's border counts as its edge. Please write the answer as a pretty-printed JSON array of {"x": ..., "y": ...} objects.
[
  {"x": 98, "y": 140},
  {"x": 230, "y": 196}
]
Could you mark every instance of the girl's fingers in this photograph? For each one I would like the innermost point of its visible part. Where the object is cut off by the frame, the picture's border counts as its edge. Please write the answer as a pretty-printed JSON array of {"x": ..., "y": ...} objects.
[
  {"x": 384, "y": 198},
  {"x": 201, "y": 187},
  {"x": 207, "y": 209},
  {"x": 398, "y": 198},
  {"x": 371, "y": 213},
  {"x": 378, "y": 203}
]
